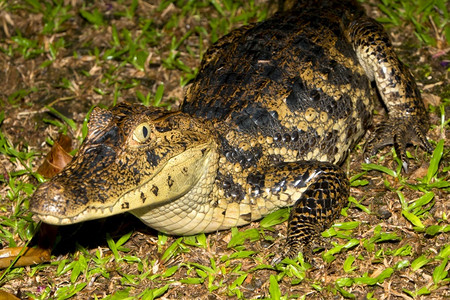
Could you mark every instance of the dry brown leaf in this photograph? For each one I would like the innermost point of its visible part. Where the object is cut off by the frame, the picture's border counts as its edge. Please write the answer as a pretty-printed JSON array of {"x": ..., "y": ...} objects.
[
  {"x": 7, "y": 296},
  {"x": 57, "y": 158},
  {"x": 431, "y": 99},
  {"x": 30, "y": 256},
  {"x": 420, "y": 172}
]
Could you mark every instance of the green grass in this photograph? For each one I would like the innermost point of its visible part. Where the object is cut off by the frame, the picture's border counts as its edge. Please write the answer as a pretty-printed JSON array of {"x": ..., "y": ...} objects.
[
  {"x": 124, "y": 62},
  {"x": 429, "y": 18}
]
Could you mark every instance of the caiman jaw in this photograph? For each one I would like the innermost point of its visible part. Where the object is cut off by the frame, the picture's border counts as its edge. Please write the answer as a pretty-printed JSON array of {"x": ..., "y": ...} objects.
[
  {"x": 48, "y": 205},
  {"x": 55, "y": 203},
  {"x": 89, "y": 213}
]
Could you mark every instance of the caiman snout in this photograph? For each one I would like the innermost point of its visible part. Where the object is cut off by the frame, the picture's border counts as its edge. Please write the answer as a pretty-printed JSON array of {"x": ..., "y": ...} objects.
[{"x": 49, "y": 203}]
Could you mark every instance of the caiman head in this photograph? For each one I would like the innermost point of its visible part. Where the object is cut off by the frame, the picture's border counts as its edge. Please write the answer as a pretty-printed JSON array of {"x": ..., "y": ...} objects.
[{"x": 132, "y": 157}]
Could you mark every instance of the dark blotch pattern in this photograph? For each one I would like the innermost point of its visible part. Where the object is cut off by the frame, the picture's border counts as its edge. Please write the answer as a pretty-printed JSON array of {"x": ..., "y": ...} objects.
[
  {"x": 232, "y": 190},
  {"x": 256, "y": 182},
  {"x": 155, "y": 190},
  {"x": 152, "y": 158},
  {"x": 245, "y": 158}
]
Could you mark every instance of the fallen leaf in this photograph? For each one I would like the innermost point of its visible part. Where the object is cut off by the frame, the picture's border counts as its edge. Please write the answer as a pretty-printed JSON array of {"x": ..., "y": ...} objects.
[
  {"x": 57, "y": 158},
  {"x": 7, "y": 296},
  {"x": 420, "y": 172},
  {"x": 431, "y": 99},
  {"x": 29, "y": 256}
]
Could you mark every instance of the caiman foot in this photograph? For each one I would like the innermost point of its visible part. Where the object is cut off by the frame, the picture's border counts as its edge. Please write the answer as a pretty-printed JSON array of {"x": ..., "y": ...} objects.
[
  {"x": 310, "y": 255},
  {"x": 399, "y": 133}
]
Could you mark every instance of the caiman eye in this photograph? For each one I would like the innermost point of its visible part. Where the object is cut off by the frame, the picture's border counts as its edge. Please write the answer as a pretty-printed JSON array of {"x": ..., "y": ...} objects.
[{"x": 141, "y": 133}]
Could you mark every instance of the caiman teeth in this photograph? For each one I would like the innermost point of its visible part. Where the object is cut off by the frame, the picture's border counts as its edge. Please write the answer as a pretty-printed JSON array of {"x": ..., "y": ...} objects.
[
  {"x": 53, "y": 220},
  {"x": 99, "y": 210},
  {"x": 89, "y": 213}
]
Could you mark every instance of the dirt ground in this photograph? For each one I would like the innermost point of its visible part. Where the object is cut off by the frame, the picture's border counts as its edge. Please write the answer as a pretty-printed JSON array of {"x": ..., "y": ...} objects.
[{"x": 75, "y": 81}]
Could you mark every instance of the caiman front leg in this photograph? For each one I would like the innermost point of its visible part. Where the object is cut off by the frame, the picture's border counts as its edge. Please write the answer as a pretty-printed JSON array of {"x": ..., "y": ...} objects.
[
  {"x": 316, "y": 209},
  {"x": 408, "y": 119},
  {"x": 319, "y": 190}
]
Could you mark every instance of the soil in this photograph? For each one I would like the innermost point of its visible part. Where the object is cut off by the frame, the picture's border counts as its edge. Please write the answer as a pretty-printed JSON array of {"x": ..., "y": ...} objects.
[{"x": 75, "y": 82}]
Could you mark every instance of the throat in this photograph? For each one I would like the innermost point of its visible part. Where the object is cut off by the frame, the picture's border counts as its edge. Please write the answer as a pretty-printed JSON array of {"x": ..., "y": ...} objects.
[{"x": 188, "y": 214}]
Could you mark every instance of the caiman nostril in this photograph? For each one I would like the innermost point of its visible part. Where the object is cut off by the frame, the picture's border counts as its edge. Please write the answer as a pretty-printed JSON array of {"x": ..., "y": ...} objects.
[{"x": 49, "y": 198}]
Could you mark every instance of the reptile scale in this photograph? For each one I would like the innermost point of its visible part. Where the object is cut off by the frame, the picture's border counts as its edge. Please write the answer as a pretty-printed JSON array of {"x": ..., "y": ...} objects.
[{"x": 274, "y": 111}]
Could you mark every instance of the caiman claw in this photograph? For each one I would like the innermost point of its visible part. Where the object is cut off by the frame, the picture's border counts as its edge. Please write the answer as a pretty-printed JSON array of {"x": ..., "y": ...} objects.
[{"x": 399, "y": 133}]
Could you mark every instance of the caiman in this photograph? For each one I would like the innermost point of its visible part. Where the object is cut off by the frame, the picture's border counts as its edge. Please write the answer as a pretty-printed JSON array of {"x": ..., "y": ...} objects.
[{"x": 267, "y": 123}]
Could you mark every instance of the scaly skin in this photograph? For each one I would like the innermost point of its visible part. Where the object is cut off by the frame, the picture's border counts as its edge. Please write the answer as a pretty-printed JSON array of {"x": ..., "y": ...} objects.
[
  {"x": 273, "y": 112},
  {"x": 407, "y": 115}
]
